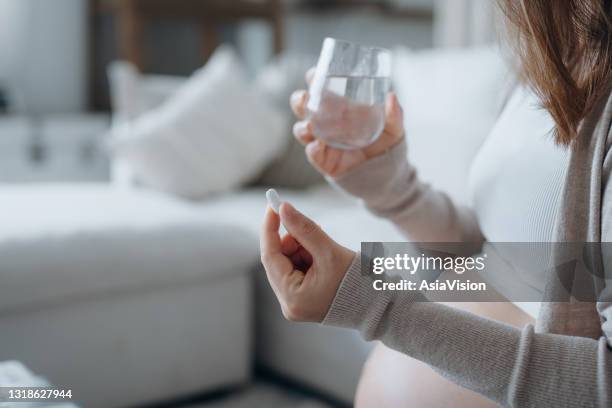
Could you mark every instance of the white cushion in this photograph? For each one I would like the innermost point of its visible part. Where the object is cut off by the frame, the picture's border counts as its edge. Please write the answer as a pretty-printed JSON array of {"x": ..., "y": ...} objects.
[
  {"x": 133, "y": 93},
  {"x": 214, "y": 134},
  {"x": 451, "y": 99}
]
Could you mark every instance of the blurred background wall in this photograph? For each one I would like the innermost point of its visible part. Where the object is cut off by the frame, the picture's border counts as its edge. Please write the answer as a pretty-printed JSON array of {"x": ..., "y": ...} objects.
[
  {"x": 53, "y": 53},
  {"x": 44, "y": 52},
  {"x": 304, "y": 26}
]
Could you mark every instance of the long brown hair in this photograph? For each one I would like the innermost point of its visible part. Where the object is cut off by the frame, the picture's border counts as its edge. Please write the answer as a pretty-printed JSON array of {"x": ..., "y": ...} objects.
[{"x": 565, "y": 54}]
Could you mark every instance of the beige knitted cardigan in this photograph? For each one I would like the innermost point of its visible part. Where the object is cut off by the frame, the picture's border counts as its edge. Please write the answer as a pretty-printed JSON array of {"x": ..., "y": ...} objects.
[{"x": 566, "y": 361}]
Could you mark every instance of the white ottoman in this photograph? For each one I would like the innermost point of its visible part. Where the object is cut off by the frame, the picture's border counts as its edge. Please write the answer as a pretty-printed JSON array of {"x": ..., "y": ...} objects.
[{"x": 125, "y": 297}]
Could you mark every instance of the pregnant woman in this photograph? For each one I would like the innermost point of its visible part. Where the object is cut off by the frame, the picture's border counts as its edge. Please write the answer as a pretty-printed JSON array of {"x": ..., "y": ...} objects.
[{"x": 528, "y": 185}]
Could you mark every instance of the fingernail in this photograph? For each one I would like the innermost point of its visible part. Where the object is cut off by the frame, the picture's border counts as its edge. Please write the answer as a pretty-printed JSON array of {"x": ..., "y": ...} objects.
[
  {"x": 301, "y": 128},
  {"x": 297, "y": 96}
]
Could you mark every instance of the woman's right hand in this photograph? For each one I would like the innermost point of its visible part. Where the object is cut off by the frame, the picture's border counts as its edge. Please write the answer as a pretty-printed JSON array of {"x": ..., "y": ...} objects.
[{"x": 335, "y": 162}]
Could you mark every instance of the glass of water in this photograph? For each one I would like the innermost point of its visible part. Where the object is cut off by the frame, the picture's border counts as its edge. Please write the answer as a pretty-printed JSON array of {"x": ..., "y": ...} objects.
[{"x": 346, "y": 106}]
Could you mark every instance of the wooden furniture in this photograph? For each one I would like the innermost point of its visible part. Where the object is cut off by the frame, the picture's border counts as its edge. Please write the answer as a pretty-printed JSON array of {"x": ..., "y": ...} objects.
[
  {"x": 386, "y": 8},
  {"x": 133, "y": 16},
  {"x": 118, "y": 27}
]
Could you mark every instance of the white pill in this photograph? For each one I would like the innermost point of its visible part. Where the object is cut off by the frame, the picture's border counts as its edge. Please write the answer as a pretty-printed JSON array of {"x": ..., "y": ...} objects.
[{"x": 273, "y": 200}]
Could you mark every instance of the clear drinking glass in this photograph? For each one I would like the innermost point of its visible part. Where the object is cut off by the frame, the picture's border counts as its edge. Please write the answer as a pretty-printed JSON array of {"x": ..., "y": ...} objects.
[{"x": 346, "y": 106}]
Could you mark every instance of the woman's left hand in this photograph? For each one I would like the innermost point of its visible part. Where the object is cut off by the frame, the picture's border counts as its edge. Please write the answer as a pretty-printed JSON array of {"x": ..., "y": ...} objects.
[{"x": 305, "y": 267}]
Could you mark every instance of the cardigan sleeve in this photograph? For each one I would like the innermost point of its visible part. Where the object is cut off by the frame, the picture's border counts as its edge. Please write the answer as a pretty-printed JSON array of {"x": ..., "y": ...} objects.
[
  {"x": 389, "y": 187},
  {"x": 514, "y": 368}
]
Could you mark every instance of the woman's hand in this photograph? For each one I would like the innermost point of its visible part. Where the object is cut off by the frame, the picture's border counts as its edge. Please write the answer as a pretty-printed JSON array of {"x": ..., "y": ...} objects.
[
  {"x": 335, "y": 162},
  {"x": 305, "y": 267}
]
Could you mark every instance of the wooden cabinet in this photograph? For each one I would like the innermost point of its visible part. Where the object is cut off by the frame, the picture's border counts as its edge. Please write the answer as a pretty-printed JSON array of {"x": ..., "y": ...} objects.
[{"x": 133, "y": 15}]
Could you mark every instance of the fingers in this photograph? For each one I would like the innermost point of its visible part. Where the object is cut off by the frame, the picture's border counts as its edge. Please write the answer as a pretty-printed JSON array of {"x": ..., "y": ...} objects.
[
  {"x": 310, "y": 74},
  {"x": 304, "y": 255},
  {"x": 302, "y": 131},
  {"x": 304, "y": 230},
  {"x": 270, "y": 239},
  {"x": 289, "y": 245},
  {"x": 300, "y": 97},
  {"x": 394, "y": 116},
  {"x": 301, "y": 260},
  {"x": 271, "y": 247},
  {"x": 300, "y": 257},
  {"x": 315, "y": 152},
  {"x": 325, "y": 159},
  {"x": 298, "y": 103}
]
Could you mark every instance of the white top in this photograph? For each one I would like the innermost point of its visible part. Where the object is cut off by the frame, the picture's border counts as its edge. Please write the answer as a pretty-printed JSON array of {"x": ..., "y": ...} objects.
[{"x": 516, "y": 182}]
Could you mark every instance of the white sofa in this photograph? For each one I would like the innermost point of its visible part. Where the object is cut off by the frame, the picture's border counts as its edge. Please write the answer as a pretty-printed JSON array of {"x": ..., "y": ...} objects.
[
  {"x": 124, "y": 297},
  {"x": 130, "y": 296},
  {"x": 151, "y": 297}
]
